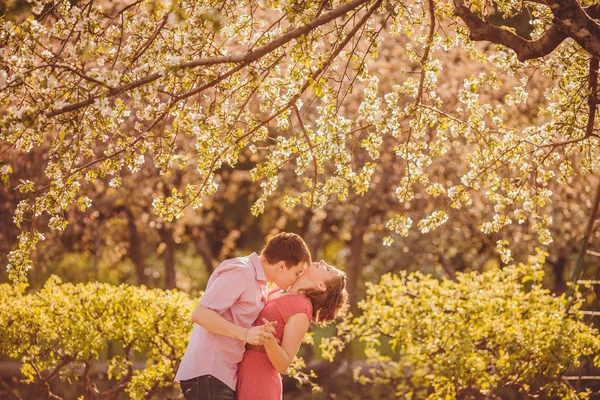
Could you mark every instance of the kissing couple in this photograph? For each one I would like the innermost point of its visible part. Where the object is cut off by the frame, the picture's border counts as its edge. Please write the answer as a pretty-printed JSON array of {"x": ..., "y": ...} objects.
[{"x": 245, "y": 335}]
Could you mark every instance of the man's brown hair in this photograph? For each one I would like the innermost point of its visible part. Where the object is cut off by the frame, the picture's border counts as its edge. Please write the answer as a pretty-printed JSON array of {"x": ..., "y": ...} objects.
[{"x": 287, "y": 247}]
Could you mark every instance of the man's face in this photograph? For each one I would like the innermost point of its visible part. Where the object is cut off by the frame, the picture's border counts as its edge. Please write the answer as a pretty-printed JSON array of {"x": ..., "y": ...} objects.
[{"x": 287, "y": 276}]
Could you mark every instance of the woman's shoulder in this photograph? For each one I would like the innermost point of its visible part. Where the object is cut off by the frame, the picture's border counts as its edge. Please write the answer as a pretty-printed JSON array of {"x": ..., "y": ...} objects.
[{"x": 295, "y": 304}]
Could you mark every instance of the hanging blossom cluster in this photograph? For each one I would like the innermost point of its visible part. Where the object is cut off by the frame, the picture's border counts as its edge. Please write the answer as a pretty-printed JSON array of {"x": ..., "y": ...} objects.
[{"x": 102, "y": 90}]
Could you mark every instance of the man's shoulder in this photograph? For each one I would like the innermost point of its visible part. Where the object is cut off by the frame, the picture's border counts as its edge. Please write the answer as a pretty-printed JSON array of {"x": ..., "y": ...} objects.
[
  {"x": 238, "y": 262},
  {"x": 242, "y": 265}
]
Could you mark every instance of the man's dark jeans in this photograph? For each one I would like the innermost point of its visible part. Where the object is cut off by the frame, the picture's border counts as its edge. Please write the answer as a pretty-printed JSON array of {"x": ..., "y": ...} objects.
[{"x": 206, "y": 387}]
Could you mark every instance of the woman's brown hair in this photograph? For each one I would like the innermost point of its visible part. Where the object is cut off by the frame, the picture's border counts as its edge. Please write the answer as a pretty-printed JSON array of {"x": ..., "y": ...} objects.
[{"x": 329, "y": 303}]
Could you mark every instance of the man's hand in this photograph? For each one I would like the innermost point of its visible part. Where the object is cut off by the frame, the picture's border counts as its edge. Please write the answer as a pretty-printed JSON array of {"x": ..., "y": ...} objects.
[{"x": 257, "y": 335}]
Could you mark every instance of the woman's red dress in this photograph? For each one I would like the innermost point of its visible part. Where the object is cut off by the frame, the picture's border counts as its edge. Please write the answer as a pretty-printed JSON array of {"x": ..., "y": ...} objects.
[{"x": 257, "y": 378}]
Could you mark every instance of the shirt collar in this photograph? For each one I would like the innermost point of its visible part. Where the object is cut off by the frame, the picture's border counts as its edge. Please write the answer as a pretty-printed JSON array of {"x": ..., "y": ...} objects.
[{"x": 258, "y": 268}]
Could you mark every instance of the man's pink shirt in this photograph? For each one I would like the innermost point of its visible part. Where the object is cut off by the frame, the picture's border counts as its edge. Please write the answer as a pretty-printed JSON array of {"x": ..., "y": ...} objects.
[{"x": 237, "y": 290}]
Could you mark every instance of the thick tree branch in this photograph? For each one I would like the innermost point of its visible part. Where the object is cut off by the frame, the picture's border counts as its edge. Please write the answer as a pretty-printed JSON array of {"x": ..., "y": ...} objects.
[
  {"x": 246, "y": 58},
  {"x": 427, "y": 50},
  {"x": 574, "y": 21},
  {"x": 593, "y": 11},
  {"x": 525, "y": 49},
  {"x": 570, "y": 21},
  {"x": 592, "y": 96}
]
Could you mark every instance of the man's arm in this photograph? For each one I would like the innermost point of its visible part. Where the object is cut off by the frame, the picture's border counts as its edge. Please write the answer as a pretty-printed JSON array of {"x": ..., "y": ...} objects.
[{"x": 213, "y": 322}]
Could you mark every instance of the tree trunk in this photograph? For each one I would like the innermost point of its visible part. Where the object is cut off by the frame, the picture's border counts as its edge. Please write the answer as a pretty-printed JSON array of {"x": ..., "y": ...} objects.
[
  {"x": 98, "y": 244},
  {"x": 558, "y": 268},
  {"x": 166, "y": 236},
  {"x": 357, "y": 244},
  {"x": 136, "y": 253},
  {"x": 201, "y": 242}
]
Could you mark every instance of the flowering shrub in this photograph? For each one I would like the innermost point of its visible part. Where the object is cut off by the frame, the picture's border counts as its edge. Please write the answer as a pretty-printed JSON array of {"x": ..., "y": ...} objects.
[
  {"x": 481, "y": 335},
  {"x": 60, "y": 331}
]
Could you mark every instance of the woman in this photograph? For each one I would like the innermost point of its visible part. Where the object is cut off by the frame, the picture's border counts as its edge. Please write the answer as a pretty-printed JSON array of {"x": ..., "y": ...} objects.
[{"x": 318, "y": 296}]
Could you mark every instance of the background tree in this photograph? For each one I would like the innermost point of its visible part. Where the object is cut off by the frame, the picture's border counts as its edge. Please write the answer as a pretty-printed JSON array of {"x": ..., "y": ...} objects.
[{"x": 114, "y": 88}]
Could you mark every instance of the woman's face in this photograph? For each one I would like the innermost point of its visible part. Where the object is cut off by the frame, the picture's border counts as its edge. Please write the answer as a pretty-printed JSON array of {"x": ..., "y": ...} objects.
[{"x": 320, "y": 272}]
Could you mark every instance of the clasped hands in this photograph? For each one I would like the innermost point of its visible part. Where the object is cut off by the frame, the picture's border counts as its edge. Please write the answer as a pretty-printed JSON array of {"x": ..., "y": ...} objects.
[{"x": 259, "y": 335}]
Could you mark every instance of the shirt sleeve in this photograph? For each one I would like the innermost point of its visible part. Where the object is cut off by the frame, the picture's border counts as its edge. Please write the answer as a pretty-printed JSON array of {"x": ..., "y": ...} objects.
[{"x": 225, "y": 289}]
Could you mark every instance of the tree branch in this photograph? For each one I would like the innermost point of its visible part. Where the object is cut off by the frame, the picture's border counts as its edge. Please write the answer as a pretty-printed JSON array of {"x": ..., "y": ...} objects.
[
  {"x": 525, "y": 49},
  {"x": 89, "y": 389},
  {"x": 577, "y": 24},
  {"x": 427, "y": 50},
  {"x": 151, "y": 39},
  {"x": 592, "y": 96},
  {"x": 585, "y": 241},
  {"x": 247, "y": 57},
  {"x": 592, "y": 104},
  {"x": 292, "y": 101},
  {"x": 593, "y": 11},
  {"x": 100, "y": 159},
  {"x": 315, "y": 76},
  {"x": 9, "y": 390}
]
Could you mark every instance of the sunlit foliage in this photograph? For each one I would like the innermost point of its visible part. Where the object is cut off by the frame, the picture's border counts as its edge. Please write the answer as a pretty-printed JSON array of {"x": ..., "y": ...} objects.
[
  {"x": 484, "y": 334},
  {"x": 64, "y": 329},
  {"x": 60, "y": 331}
]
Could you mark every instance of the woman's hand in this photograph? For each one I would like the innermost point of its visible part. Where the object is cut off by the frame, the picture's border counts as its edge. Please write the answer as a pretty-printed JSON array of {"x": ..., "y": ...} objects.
[
  {"x": 270, "y": 340},
  {"x": 269, "y": 326},
  {"x": 258, "y": 334}
]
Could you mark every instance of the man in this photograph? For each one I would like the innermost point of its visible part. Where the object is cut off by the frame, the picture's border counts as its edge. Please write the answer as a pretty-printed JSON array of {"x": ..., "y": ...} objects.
[{"x": 235, "y": 294}]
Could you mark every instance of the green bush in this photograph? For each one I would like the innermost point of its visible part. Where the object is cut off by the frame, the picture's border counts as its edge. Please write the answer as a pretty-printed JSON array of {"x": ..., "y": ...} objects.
[
  {"x": 484, "y": 335},
  {"x": 60, "y": 331}
]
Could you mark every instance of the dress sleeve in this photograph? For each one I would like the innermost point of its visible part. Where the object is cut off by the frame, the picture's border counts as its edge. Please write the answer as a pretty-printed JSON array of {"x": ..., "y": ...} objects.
[
  {"x": 299, "y": 305},
  {"x": 307, "y": 308}
]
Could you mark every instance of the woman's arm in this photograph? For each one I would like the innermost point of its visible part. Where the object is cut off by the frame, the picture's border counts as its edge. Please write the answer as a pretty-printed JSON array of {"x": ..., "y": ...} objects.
[{"x": 281, "y": 356}]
